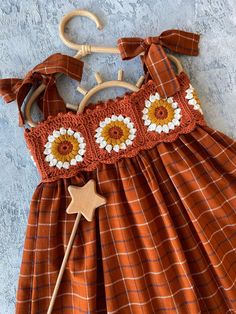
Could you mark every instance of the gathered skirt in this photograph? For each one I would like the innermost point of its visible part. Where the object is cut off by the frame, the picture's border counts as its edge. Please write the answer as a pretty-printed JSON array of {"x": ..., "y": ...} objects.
[{"x": 165, "y": 242}]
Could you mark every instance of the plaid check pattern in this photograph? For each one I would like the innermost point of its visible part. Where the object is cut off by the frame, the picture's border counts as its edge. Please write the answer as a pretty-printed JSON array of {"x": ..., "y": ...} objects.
[
  {"x": 164, "y": 243},
  {"x": 50, "y": 102},
  {"x": 155, "y": 59}
]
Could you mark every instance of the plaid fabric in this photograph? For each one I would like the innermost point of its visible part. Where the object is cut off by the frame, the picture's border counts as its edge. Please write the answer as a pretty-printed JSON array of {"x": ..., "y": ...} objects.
[
  {"x": 51, "y": 102},
  {"x": 164, "y": 243},
  {"x": 155, "y": 59}
]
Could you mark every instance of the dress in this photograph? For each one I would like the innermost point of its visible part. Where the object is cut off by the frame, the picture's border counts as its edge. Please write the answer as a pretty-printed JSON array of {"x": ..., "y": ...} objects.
[{"x": 165, "y": 241}]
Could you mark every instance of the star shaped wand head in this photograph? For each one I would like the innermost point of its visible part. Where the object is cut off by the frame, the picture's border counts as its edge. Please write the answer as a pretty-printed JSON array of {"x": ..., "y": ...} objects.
[{"x": 85, "y": 199}]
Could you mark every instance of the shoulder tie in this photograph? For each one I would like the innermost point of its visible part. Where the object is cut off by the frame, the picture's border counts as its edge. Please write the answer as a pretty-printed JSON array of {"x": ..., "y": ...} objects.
[
  {"x": 50, "y": 102},
  {"x": 155, "y": 58}
]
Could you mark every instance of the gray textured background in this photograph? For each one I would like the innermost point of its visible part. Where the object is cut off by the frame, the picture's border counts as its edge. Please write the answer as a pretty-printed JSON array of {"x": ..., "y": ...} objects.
[{"x": 29, "y": 33}]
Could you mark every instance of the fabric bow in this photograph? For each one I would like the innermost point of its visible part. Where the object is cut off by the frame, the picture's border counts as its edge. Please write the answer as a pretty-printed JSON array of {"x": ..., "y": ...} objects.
[
  {"x": 155, "y": 59},
  {"x": 50, "y": 102}
]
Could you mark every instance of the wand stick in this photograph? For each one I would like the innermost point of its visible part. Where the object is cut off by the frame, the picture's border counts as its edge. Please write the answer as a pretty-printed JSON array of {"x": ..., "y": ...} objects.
[{"x": 84, "y": 201}]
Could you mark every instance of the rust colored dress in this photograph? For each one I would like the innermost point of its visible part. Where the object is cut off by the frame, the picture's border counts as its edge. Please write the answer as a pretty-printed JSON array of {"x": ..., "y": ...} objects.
[{"x": 165, "y": 242}]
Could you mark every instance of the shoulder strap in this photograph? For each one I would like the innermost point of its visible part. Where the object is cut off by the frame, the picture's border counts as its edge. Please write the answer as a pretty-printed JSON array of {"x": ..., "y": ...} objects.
[
  {"x": 155, "y": 61},
  {"x": 50, "y": 102}
]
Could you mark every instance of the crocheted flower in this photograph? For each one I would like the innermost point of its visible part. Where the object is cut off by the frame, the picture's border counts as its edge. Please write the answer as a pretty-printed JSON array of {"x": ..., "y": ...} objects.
[
  {"x": 161, "y": 115},
  {"x": 115, "y": 133},
  {"x": 64, "y": 148},
  {"x": 193, "y": 99}
]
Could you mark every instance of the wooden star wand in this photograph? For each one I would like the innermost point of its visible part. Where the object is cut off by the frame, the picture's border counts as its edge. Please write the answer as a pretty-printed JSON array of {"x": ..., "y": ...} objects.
[{"x": 84, "y": 201}]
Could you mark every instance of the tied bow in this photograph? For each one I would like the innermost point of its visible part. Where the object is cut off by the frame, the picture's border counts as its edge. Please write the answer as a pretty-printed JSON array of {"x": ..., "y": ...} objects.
[
  {"x": 155, "y": 59},
  {"x": 50, "y": 102}
]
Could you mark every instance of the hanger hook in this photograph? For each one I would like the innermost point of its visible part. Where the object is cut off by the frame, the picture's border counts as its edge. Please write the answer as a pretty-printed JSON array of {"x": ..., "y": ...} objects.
[{"x": 83, "y": 49}]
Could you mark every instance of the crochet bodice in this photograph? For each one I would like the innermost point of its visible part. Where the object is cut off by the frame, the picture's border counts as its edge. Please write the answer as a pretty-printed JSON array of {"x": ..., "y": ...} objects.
[{"x": 66, "y": 143}]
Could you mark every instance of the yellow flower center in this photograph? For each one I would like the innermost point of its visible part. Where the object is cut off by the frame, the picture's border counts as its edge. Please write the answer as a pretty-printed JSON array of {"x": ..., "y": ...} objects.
[
  {"x": 161, "y": 112},
  {"x": 116, "y": 132},
  {"x": 195, "y": 96},
  {"x": 65, "y": 147}
]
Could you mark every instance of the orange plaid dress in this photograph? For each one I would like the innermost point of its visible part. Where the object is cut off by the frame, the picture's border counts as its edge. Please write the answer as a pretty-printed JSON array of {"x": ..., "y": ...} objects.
[{"x": 165, "y": 242}]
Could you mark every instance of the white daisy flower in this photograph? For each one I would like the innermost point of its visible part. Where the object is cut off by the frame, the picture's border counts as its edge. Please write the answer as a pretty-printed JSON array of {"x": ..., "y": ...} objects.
[
  {"x": 161, "y": 115},
  {"x": 193, "y": 99},
  {"x": 115, "y": 133},
  {"x": 64, "y": 148}
]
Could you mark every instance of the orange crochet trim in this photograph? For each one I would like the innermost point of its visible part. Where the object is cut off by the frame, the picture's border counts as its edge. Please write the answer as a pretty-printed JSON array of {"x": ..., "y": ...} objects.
[{"x": 110, "y": 130}]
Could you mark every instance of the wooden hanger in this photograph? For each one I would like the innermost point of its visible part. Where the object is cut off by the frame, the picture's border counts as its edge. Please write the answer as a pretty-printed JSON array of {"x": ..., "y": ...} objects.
[{"x": 83, "y": 50}]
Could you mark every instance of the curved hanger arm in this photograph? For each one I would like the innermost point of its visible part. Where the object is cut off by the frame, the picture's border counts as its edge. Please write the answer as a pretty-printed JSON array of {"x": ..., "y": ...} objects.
[
  {"x": 102, "y": 86},
  {"x": 29, "y": 104},
  {"x": 176, "y": 62}
]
